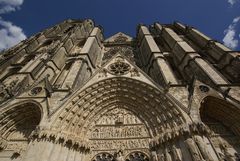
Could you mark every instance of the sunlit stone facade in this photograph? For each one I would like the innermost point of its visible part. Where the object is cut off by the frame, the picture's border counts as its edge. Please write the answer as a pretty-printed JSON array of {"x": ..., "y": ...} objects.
[{"x": 169, "y": 94}]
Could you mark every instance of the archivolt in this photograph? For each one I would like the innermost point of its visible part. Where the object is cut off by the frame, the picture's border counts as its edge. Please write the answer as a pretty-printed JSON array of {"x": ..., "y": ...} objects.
[
  {"x": 22, "y": 117},
  {"x": 155, "y": 109},
  {"x": 222, "y": 111}
]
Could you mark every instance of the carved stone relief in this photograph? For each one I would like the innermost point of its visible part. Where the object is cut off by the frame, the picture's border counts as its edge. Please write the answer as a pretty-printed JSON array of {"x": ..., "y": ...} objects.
[
  {"x": 120, "y": 39},
  {"x": 118, "y": 129},
  {"x": 49, "y": 46},
  {"x": 124, "y": 50},
  {"x": 35, "y": 91}
]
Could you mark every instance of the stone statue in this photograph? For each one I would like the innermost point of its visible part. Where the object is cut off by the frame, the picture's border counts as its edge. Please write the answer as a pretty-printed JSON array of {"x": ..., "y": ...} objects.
[
  {"x": 154, "y": 156},
  {"x": 161, "y": 157},
  {"x": 203, "y": 148},
  {"x": 193, "y": 149},
  {"x": 167, "y": 155},
  {"x": 176, "y": 153},
  {"x": 227, "y": 155},
  {"x": 119, "y": 156}
]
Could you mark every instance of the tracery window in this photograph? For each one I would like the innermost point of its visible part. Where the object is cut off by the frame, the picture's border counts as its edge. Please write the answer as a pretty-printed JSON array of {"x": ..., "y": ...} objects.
[
  {"x": 137, "y": 156},
  {"x": 119, "y": 68},
  {"x": 103, "y": 157},
  {"x": 124, "y": 50}
]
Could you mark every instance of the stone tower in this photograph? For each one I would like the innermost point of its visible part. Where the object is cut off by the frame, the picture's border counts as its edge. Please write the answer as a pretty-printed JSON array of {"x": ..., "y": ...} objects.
[{"x": 169, "y": 94}]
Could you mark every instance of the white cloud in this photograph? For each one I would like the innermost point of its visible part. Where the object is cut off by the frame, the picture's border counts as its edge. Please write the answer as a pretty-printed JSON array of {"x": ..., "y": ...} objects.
[
  {"x": 7, "y": 6},
  {"x": 230, "y": 39},
  {"x": 235, "y": 20},
  {"x": 10, "y": 34},
  {"x": 232, "y": 2}
]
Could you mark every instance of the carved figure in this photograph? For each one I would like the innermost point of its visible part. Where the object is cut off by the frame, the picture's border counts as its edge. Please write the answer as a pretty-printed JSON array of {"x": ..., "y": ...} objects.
[
  {"x": 193, "y": 149},
  {"x": 167, "y": 155},
  {"x": 176, "y": 153},
  {"x": 118, "y": 156},
  {"x": 203, "y": 148},
  {"x": 226, "y": 154}
]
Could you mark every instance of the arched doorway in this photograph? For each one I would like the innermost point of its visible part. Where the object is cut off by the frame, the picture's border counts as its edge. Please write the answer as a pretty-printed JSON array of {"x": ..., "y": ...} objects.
[
  {"x": 223, "y": 119},
  {"x": 118, "y": 114},
  {"x": 16, "y": 126}
]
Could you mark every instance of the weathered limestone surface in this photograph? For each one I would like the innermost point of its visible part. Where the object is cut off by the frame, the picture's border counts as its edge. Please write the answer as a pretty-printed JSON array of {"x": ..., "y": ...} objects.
[{"x": 169, "y": 94}]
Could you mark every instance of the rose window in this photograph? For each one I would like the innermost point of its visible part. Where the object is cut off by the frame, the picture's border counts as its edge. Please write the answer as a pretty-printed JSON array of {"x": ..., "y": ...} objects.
[{"x": 119, "y": 68}]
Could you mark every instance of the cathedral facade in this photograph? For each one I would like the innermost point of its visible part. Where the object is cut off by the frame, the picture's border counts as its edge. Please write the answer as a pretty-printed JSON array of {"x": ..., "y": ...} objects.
[{"x": 169, "y": 94}]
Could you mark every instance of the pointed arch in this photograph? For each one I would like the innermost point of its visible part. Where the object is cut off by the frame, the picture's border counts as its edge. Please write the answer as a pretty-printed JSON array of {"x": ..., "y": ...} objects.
[
  {"x": 27, "y": 114},
  {"x": 221, "y": 110},
  {"x": 158, "y": 112},
  {"x": 223, "y": 119},
  {"x": 17, "y": 122}
]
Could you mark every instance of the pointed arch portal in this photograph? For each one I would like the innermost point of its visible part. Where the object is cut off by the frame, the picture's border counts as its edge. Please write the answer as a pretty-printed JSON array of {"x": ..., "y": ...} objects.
[
  {"x": 16, "y": 126},
  {"x": 119, "y": 114},
  {"x": 223, "y": 119}
]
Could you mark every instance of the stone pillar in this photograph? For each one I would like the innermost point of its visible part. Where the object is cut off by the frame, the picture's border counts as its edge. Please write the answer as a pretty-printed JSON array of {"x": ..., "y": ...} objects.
[
  {"x": 71, "y": 155},
  {"x": 36, "y": 151},
  {"x": 203, "y": 149},
  {"x": 55, "y": 152},
  {"x": 193, "y": 149},
  {"x": 154, "y": 156},
  {"x": 226, "y": 60},
  {"x": 167, "y": 154},
  {"x": 48, "y": 151},
  {"x": 187, "y": 59},
  {"x": 33, "y": 66},
  {"x": 72, "y": 74},
  {"x": 176, "y": 153},
  {"x": 153, "y": 58},
  {"x": 160, "y": 153},
  {"x": 92, "y": 47}
]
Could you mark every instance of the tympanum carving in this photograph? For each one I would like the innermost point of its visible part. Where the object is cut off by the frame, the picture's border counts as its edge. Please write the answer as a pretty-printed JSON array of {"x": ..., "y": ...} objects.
[{"x": 118, "y": 129}]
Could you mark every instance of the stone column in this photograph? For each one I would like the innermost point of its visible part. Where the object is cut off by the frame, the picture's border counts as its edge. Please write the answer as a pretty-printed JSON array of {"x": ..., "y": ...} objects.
[
  {"x": 176, "y": 153},
  {"x": 92, "y": 47},
  {"x": 187, "y": 59},
  {"x": 153, "y": 58},
  {"x": 203, "y": 149},
  {"x": 49, "y": 151},
  {"x": 193, "y": 149},
  {"x": 78, "y": 156},
  {"x": 71, "y": 155},
  {"x": 167, "y": 154},
  {"x": 224, "y": 58},
  {"x": 154, "y": 156},
  {"x": 55, "y": 152},
  {"x": 160, "y": 153},
  {"x": 72, "y": 74}
]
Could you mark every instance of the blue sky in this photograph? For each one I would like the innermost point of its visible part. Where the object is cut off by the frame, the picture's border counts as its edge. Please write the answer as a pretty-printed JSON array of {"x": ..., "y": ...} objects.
[{"x": 219, "y": 19}]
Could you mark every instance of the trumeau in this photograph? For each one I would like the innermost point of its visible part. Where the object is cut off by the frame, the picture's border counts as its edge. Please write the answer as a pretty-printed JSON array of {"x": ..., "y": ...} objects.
[{"x": 169, "y": 94}]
